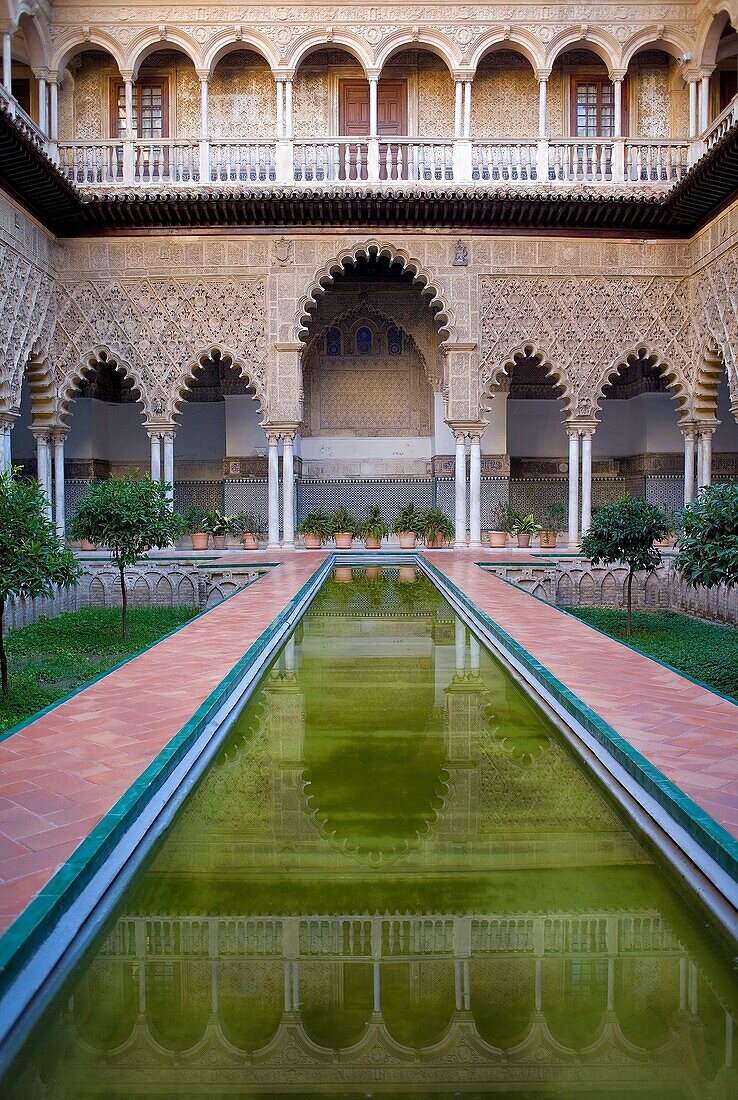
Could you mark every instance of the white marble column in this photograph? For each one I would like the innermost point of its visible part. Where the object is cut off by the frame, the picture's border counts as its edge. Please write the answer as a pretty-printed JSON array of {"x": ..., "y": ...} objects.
[
  {"x": 543, "y": 107},
  {"x": 458, "y": 108},
  {"x": 690, "y": 448},
  {"x": 460, "y": 646},
  {"x": 43, "y": 466},
  {"x": 573, "y": 434},
  {"x": 693, "y": 107},
  {"x": 168, "y": 478},
  {"x": 617, "y": 85},
  {"x": 155, "y": 456},
  {"x": 373, "y": 105},
  {"x": 704, "y": 457},
  {"x": 288, "y": 492},
  {"x": 467, "y": 108},
  {"x": 587, "y": 434},
  {"x": 475, "y": 492},
  {"x": 460, "y": 488},
  {"x": 43, "y": 106},
  {"x": 59, "y": 502},
  {"x": 53, "y": 108},
  {"x": 273, "y": 489},
  {"x": 204, "y": 115},
  {"x": 7, "y": 62},
  {"x": 704, "y": 102},
  {"x": 280, "y": 108},
  {"x": 288, "y": 125},
  {"x": 128, "y": 87},
  {"x": 6, "y": 427}
]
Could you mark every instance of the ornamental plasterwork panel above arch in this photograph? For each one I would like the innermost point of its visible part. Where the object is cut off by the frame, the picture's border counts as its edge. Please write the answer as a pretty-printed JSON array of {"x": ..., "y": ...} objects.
[
  {"x": 154, "y": 327},
  {"x": 27, "y": 302},
  {"x": 588, "y": 326}
]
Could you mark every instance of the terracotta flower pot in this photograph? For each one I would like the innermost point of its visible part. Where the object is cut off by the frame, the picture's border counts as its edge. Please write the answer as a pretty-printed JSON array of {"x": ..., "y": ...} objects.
[
  {"x": 662, "y": 544},
  {"x": 220, "y": 542},
  {"x": 373, "y": 572},
  {"x": 372, "y": 544},
  {"x": 344, "y": 540},
  {"x": 498, "y": 539},
  {"x": 249, "y": 542},
  {"x": 200, "y": 540},
  {"x": 435, "y": 544},
  {"x": 86, "y": 545},
  {"x": 312, "y": 542},
  {"x": 342, "y": 574},
  {"x": 408, "y": 574},
  {"x": 523, "y": 540},
  {"x": 407, "y": 540},
  {"x": 548, "y": 539}
]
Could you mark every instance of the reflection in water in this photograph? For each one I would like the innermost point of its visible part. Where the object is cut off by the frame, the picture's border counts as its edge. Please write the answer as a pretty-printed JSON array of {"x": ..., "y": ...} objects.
[{"x": 394, "y": 875}]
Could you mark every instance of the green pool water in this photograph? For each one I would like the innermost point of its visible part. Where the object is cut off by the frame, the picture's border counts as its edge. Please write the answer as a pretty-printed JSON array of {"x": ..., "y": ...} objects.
[{"x": 394, "y": 878}]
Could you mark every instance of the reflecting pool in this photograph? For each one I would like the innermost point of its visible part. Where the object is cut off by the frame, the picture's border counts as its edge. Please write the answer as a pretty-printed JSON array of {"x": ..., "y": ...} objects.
[{"x": 394, "y": 878}]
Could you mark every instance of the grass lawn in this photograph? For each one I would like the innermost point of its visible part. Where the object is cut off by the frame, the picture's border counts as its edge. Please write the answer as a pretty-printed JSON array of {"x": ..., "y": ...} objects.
[
  {"x": 51, "y": 657},
  {"x": 703, "y": 650}
]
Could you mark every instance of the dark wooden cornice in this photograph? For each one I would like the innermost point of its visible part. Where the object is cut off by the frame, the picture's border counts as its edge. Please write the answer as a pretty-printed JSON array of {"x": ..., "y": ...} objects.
[{"x": 617, "y": 211}]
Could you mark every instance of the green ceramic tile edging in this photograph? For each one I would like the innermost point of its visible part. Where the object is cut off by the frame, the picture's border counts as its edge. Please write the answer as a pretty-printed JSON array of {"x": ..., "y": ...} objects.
[
  {"x": 708, "y": 834},
  {"x": 39, "y": 916},
  {"x": 114, "y": 668}
]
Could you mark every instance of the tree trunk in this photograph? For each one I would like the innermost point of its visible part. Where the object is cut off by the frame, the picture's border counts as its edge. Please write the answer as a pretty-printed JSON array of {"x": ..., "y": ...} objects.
[
  {"x": 630, "y": 603},
  {"x": 124, "y": 601},
  {"x": 3, "y": 654}
]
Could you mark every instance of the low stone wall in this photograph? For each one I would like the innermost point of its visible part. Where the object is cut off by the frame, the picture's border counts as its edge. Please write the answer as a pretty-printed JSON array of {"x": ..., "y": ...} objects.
[
  {"x": 578, "y": 583},
  {"x": 150, "y": 584}
]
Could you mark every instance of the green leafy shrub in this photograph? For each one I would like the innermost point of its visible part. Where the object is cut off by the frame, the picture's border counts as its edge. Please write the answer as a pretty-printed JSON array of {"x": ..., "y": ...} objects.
[
  {"x": 410, "y": 520},
  {"x": 435, "y": 523},
  {"x": 708, "y": 544},
  {"x": 317, "y": 522}
]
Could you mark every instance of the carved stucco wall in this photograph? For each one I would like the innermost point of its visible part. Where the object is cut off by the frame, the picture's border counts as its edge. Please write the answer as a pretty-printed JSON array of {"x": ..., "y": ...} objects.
[
  {"x": 242, "y": 97},
  {"x": 157, "y": 303},
  {"x": 505, "y": 97}
]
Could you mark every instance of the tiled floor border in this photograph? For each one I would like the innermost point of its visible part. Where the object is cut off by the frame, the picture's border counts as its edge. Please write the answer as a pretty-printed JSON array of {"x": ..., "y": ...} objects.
[
  {"x": 706, "y": 844},
  {"x": 54, "y": 930}
]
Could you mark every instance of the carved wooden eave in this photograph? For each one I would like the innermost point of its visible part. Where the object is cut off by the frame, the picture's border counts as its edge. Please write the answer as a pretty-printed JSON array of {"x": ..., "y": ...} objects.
[{"x": 583, "y": 209}]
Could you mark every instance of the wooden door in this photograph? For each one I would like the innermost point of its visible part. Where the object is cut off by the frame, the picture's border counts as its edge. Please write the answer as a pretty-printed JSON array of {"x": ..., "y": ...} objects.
[{"x": 353, "y": 119}]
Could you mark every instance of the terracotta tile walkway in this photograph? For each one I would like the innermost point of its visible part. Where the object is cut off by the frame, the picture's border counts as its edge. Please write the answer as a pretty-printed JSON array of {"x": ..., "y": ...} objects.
[
  {"x": 62, "y": 773},
  {"x": 688, "y": 732}
]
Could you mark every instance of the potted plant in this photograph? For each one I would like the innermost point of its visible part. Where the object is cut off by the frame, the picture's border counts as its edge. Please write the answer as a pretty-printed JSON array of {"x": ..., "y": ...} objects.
[
  {"x": 437, "y": 529},
  {"x": 218, "y": 525},
  {"x": 315, "y": 527},
  {"x": 553, "y": 521},
  {"x": 410, "y": 523},
  {"x": 86, "y": 546},
  {"x": 674, "y": 520},
  {"x": 498, "y": 529},
  {"x": 194, "y": 519},
  {"x": 372, "y": 528},
  {"x": 523, "y": 526},
  {"x": 251, "y": 527},
  {"x": 344, "y": 528}
]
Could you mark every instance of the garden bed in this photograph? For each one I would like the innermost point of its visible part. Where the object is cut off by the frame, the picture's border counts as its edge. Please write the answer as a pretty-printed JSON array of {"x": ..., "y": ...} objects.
[
  {"x": 52, "y": 657},
  {"x": 705, "y": 651}
]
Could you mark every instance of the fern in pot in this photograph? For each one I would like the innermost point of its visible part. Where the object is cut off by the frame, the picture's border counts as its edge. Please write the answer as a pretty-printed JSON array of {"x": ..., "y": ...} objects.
[
  {"x": 409, "y": 525},
  {"x": 523, "y": 526},
  {"x": 373, "y": 528},
  {"x": 316, "y": 527},
  {"x": 218, "y": 524},
  {"x": 499, "y": 526},
  {"x": 252, "y": 529},
  {"x": 344, "y": 528},
  {"x": 437, "y": 529},
  {"x": 553, "y": 521}
]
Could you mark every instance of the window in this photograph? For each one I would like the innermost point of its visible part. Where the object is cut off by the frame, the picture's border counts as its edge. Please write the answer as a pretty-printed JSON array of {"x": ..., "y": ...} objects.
[
  {"x": 150, "y": 109},
  {"x": 364, "y": 340},
  {"x": 593, "y": 107},
  {"x": 333, "y": 342},
  {"x": 394, "y": 341}
]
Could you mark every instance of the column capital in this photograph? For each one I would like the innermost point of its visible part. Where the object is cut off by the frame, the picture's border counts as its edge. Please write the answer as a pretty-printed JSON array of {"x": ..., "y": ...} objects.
[
  {"x": 204, "y": 75},
  {"x": 580, "y": 427},
  {"x": 688, "y": 428},
  {"x": 617, "y": 76},
  {"x": 8, "y": 418},
  {"x": 59, "y": 434},
  {"x": 542, "y": 75},
  {"x": 706, "y": 427},
  {"x": 126, "y": 76},
  {"x": 42, "y": 432}
]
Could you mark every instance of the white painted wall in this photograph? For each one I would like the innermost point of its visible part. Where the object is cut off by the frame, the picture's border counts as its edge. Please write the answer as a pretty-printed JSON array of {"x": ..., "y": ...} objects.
[
  {"x": 243, "y": 430},
  {"x": 201, "y": 433},
  {"x": 535, "y": 430}
]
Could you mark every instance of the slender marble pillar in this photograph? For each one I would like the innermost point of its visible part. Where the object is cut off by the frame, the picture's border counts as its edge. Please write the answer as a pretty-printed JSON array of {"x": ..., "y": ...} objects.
[
  {"x": 168, "y": 445},
  {"x": 460, "y": 488},
  {"x": 43, "y": 467},
  {"x": 573, "y": 485},
  {"x": 475, "y": 493},
  {"x": 155, "y": 456},
  {"x": 288, "y": 493},
  {"x": 689, "y": 458},
  {"x": 586, "y": 479},
  {"x": 59, "y": 503},
  {"x": 273, "y": 509}
]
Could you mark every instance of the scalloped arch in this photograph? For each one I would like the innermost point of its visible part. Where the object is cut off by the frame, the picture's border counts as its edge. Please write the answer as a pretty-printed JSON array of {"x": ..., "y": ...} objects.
[
  {"x": 316, "y": 40},
  {"x": 75, "y": 44},
  {"x": 643, "y": 350},
  {"x": 526, "y": 350},
  {"x": 707, "y": 380},
  {"x": 149, "y": 42},
  {"x": 233, "y": 361},
  {"x": 70, "y": 382},
  {"x": 225, "y": 43},
  {"x": 518, "y": 40},
  {"x": 408, "y": 39},
  {"x": 598, "y": 41},
  {"x": 444, "y": 316}
]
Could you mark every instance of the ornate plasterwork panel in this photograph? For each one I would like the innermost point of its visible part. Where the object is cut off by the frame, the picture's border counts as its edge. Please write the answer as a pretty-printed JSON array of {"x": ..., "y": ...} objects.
[{"x": 157, "y": 329}]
